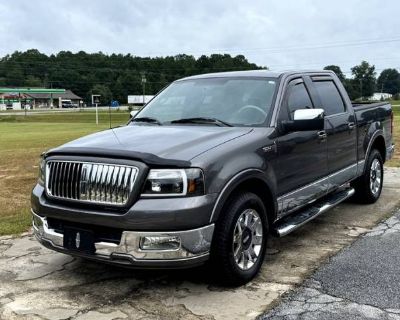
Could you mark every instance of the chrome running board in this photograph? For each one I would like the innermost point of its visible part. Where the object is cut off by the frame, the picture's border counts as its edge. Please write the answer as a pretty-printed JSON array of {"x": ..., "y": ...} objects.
[{"x": 296, "y": 220}]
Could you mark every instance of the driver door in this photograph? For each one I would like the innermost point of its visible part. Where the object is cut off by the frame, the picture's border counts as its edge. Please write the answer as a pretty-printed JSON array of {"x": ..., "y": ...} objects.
[{"x": 302, "y": 155}]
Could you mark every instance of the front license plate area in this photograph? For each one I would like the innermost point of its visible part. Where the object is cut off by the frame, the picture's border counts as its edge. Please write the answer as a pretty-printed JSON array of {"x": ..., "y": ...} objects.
[{"x": 79, "y": 240}]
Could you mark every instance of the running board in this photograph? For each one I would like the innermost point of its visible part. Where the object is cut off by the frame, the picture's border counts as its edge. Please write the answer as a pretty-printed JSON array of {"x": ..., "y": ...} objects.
[{"x": 295, "y": 221}]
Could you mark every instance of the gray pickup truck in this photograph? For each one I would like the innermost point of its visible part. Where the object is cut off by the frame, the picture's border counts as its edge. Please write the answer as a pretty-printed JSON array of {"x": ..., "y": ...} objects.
[{"x": 209, "y": 169}]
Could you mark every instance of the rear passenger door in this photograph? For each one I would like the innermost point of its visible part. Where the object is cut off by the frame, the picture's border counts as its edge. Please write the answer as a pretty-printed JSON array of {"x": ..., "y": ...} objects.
[{"x": 340, "y": 129}]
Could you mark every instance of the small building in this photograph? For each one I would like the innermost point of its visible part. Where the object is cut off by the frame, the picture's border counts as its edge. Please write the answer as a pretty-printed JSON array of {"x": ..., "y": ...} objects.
[
  {"x": 47, "y": 100},
  {"x": 17, "y": 98},
  {"x": 138, "y": 99},
  {"x": 378, "y": 96}
]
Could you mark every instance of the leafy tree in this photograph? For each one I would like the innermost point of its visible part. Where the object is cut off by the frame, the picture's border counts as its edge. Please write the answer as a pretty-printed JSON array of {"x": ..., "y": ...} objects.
[
  {"x": 114, "y": 75},
  {"x": 364, "y": 80},
  {"x": 338, "y": 71},
  {"x": 33, "y": 82},
  {"x": 104, "y": 92},
  {"x": 389, "y": 81}
]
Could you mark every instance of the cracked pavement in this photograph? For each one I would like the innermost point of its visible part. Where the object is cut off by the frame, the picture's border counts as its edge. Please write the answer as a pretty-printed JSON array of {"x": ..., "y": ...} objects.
[
  {"x": 36, "y": 283},
  {"x": 361, "y": 282}
]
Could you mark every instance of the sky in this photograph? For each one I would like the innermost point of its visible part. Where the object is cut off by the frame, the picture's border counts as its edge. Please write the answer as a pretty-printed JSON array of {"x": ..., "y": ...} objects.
[{"x": 281, "y": 35}]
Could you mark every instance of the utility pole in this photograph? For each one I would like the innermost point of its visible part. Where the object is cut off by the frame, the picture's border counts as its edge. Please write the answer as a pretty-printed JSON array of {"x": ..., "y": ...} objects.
[
  {"x": 144, "y": 80},
  {"x": 361, "y": 89}
]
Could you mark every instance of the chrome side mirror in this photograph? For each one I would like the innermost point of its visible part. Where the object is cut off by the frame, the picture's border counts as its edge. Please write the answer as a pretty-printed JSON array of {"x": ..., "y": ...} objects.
[
  {"x": 308, "y": 114},
  {"x": 305, "y": 120}
]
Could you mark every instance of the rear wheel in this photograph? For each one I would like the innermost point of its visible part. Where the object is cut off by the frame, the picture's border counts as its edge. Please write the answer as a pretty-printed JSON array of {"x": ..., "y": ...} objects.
[
  {"x": 368, "y": 187},
  {"x": 239, "y": 242}
]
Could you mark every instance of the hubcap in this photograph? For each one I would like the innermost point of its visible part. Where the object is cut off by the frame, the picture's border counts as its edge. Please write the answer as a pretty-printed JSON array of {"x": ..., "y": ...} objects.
[
  {"x": 375, "y": 177},
  {"x": 247, "y": 239}
]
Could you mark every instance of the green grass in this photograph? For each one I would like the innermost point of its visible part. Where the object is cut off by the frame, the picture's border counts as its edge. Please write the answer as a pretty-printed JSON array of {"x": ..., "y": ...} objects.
[{"x": 22, "y": 140}]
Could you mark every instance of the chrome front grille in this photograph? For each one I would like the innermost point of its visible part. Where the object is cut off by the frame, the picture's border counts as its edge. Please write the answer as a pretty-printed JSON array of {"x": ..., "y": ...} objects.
[{"x": 90, "y": 182}]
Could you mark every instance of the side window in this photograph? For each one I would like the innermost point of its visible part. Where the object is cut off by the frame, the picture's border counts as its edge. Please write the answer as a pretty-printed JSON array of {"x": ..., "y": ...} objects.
[
  {"x": 298, "y": 98},
  {"x": 330, "y": 97}
]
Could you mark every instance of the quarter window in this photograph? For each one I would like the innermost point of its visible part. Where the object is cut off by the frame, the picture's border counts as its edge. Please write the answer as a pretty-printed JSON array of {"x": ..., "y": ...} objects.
[{"x": 330, "y": 97}]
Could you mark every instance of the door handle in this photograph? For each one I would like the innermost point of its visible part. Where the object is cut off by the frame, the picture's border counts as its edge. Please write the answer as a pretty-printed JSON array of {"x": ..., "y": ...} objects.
[
  {"x": 351, "y": 125},
  {"x": 322, "y": 135}
]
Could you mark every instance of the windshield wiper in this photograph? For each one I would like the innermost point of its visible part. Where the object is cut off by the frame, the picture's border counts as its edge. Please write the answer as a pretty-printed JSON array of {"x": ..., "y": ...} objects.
[
  {"x": 146, "y": 119},
  {"x": 203, "y": 120}
]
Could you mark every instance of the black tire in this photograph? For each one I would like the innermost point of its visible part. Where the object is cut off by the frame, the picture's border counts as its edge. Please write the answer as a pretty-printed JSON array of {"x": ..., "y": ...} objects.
[
  {"x": 364, "y": 193},
  {"x": 223, "y": 261}
]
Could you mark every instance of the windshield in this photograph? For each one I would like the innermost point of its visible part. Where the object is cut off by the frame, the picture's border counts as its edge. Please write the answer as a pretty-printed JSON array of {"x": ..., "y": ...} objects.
[{"x": 235, "y": 101}]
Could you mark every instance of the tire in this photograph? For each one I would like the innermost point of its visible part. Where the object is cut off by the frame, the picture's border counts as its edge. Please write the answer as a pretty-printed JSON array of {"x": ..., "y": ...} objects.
[
  {"x": 368, "y": 187},
  {"x": 228, "y": 239}
]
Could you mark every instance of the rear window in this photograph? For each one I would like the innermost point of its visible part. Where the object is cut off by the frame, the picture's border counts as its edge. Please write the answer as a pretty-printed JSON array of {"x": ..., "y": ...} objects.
[{"x": 330, "y": 97}]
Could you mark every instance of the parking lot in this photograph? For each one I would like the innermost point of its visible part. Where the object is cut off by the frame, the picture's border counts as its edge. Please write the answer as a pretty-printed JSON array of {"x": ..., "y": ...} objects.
[{"x": 40, "y": 284}]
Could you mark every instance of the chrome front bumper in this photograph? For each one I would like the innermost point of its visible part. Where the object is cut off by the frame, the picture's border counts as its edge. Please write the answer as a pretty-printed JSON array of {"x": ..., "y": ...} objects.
[{"x": 194, "y": 246}]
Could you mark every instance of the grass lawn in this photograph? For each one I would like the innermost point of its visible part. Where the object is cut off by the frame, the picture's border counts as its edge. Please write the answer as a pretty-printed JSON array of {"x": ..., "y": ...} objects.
[{"x": 22, "y": 140}]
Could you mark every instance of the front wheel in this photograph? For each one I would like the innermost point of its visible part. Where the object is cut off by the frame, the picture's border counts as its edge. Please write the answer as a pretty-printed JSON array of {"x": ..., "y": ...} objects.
[
  {"x": 239, "y": 242},
  {"x": 368, "y": 187}
]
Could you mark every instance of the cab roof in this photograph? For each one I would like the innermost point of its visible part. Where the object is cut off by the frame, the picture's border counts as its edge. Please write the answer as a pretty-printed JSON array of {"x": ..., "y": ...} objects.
[{"x": 254, "y": 73}]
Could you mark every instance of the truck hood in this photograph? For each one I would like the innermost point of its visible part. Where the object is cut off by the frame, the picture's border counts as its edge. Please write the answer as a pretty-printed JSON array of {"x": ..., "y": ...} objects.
[{"x": 178, "y": 143}]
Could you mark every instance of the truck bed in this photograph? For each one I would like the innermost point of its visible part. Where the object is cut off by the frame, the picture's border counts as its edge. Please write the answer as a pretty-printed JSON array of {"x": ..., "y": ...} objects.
[{"x": 368, "y": 105}]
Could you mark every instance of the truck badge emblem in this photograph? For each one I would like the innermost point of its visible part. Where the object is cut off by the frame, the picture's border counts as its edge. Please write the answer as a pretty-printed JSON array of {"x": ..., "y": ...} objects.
[{"x": 78, "y": 240}]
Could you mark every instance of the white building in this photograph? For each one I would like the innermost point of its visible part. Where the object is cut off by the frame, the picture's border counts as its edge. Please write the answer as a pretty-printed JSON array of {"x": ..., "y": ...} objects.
[
  {"x": 378, "y": 96},
  {"x": 139, "y": 99}
]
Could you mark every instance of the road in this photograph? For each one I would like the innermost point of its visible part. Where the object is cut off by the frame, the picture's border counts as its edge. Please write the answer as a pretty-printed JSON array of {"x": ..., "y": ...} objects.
[
  {"x": 361, "y": 282},
  {"x": 40, "y": 284}
]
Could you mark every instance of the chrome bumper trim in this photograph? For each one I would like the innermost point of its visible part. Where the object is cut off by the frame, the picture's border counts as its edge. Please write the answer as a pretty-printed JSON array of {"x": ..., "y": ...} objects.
[{"x": 195, "y": 243}]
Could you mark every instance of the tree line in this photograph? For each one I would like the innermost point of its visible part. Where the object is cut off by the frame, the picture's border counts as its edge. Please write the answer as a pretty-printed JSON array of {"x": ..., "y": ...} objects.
[
  {"x": 364, "y": 83},
  {"x": 113, "y": 76},
  {"x": 116, "y": 76}
]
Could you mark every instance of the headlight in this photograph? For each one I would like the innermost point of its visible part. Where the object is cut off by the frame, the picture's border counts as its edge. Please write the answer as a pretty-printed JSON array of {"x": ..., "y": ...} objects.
[
  {"x": 174, "y": 182},
  {"x": 42, "y": 170}
]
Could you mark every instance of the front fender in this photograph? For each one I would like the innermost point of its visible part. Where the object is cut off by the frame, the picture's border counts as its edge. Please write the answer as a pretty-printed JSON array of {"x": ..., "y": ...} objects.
[{"x": 235, "y": 182}]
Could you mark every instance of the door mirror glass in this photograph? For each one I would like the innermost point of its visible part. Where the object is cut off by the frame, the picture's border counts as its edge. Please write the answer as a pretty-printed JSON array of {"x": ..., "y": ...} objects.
[{"x": 305, "y": 120}]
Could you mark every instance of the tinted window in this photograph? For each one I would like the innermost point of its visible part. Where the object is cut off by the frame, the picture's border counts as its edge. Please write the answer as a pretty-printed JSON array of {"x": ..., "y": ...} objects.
[
  {"x": 330, "y": 98},
  {"x": 298, "y": 98},
  {"x": 238, "y": 101}
]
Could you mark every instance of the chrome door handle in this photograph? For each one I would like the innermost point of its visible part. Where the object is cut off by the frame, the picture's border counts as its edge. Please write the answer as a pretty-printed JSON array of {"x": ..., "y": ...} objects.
[
  {"x": 322, "y": 135},
  {"x": 351, "y": 125}
]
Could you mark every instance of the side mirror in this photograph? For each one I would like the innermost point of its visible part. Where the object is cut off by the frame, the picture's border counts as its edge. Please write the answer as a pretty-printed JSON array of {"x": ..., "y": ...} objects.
[{"x": 306, "y": 120}]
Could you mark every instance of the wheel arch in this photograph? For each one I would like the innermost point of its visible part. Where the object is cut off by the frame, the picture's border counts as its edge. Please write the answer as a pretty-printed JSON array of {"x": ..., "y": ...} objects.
[
  {"x": 252, "y": 180},
  {"x": 377, "y": 141}
]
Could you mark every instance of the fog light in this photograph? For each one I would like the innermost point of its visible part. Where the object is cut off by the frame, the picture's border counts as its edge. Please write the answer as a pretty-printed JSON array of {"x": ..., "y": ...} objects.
[{"x": 160, "y": 243}]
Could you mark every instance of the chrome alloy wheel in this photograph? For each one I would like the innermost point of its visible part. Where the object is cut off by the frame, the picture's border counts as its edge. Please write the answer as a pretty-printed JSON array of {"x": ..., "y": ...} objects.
[
  {"x": 375, "y": 179},
  {"x": 247, "y": 239}
]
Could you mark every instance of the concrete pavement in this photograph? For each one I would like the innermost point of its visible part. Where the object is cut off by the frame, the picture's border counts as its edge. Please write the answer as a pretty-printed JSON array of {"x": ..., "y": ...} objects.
[
  {"x": 361, "y": 282},
  {"x": 36, "y": 283}
]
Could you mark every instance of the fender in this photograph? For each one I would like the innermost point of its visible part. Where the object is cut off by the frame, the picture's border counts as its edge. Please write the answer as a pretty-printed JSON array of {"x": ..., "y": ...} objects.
[
  {"x": 234, "y": 182},
  {"x": 368, "y": 146}
]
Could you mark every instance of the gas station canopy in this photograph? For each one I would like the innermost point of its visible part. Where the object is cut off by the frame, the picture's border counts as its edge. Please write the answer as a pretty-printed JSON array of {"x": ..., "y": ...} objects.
[{"x": 29, "y": 90}]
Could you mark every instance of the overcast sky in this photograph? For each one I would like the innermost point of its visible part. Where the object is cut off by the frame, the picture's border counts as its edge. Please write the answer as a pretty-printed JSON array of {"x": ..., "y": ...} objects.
[{"x": 281, "y": 35}]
